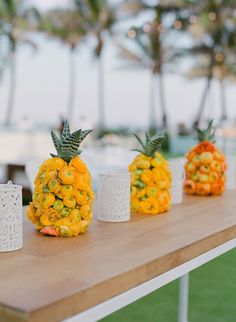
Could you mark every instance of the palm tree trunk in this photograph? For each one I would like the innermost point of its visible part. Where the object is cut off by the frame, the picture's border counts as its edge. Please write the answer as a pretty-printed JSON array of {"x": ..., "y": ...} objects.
[
  {"x": 162, "y": 101},
  {"x": 224, "y": 116},
  {"x": 12, "y": 88},
  {"x": 152, "y": 111},
  {"x": 72, "y": 85},
  {"x": 101, "y": 100},
  {"x": 203, "y": 101}
]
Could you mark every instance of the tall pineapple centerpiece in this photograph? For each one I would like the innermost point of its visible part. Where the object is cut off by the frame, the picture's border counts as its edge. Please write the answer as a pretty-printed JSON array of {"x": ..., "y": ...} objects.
[
  {"x": 150, "y": 177},
  {"x": 206, "y": 166},
  {"x": 63, "y": 195}
]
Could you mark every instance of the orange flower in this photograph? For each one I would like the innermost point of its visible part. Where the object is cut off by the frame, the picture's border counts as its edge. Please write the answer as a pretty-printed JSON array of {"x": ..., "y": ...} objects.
[
  {"x": 85, "y": 212},
  {"x": 47, "y": 200},
  {"x": 141, "y": 193},
  {"x": 31, "y": 213},
  {"x": 84, "y": 226},
  {"x": 189, "y": 187},
  {"x": 81, "y": 197},
  {"x": 80, "y": 183},
  {"x": 66, "y": 190},
  {"x": 69, "y": 201},
  {"x": 146, "y": 176},
  {"x": 78, "y": 164},
  {"x": 205, "y": 146},
  {"x": 75, "y": 228},
  {"x": 150, "y": 206},
  {"x": 54, "y": 185},
  {"x": 67, "y": 175},
  {"x": 164, "y": 200},
  {"x": 75, "y": 215},
  {"x": 217, "y": 189},
  {"x": 53, "y": 164},
  {"x": 48, "y": 216},
  {"x": 152, "y": 191}
]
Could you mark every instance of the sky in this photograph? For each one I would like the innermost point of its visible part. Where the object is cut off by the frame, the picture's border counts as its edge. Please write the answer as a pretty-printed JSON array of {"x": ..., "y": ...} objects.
[{"x": 42, "y": 87}]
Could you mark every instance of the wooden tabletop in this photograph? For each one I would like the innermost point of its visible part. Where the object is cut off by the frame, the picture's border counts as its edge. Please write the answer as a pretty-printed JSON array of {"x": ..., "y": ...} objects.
[{"x": 54, "y": 278}]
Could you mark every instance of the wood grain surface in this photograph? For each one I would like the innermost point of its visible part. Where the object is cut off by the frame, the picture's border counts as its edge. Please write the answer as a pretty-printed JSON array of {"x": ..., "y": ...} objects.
[{"x": 51, "y": 279}]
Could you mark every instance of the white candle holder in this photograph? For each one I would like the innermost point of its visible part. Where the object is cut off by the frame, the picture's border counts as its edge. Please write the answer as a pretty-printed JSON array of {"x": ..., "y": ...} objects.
[
  {"x": 113, "y": 196},
  {"x": 176, "y": 167},
  {"x": 11, "y": 217},
  {"x": 231, "y": 172}
]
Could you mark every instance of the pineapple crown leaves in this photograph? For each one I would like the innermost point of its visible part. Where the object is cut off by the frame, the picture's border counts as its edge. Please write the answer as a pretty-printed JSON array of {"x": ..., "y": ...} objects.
[
  {"x": 151, "y": 144},
  {"x": 207, "y": 134},
  {"x": 68, "y": 145}
]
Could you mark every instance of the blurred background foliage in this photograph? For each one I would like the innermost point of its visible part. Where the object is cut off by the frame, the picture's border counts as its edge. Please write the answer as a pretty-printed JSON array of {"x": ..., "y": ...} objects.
[{"x": 203, "y": 31}]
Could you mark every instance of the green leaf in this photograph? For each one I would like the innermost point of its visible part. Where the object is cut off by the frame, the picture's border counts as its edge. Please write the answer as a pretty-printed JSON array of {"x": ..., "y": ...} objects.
[
  {"x": 137, "y": 150},
  {"x": 147, "y": 136},
  {"x": 56, "y": 141},
  {"x": 66, "y": 130},
  {"x": 139, "y": 140}
]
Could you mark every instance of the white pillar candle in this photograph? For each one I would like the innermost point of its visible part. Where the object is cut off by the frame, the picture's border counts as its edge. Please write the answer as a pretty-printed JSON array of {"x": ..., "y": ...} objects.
[
  {"x": 177, "y": 170},
  {"x": 113, "y": 196},
  {"x": 231, "y": 172},
  {"x": 11, "y": 217}
]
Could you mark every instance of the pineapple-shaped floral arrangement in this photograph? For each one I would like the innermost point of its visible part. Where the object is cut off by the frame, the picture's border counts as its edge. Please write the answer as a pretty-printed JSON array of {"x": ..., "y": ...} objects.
[
  {"x": 206, "y": 166},
  {"x": 63, "y": 195},
  {"x": 150, "y": 177}
]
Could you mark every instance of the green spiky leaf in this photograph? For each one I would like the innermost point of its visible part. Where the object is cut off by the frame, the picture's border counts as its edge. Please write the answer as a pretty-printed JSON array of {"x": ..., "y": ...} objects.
[
  {"x": 65, "y": 130},
  {"x": 151, "y": 145},
  {"x": 207, "y": 134},
  {"x": 139, "y": 140},
  {"x": 68, "y": 145},
  {"x": 56, "y": 141}
]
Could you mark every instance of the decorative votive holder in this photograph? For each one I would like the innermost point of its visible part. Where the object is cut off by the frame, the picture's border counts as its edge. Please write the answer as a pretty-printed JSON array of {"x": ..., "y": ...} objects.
[
  {"x": 113, "y": 196},
  {"x": 11, "y": 217},
  {"x": 231, "y": 172},
  {"x": 176, "y": 167}
]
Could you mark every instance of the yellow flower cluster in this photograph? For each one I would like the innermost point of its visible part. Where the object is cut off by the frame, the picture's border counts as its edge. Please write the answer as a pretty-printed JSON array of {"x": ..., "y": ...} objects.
[
  {"x": 150, "y": 184},
  {"x": 62, "y": 200}
]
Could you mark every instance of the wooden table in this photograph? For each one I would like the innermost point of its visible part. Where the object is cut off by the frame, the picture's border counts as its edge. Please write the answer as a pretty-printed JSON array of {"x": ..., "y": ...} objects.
[{"x": 51, "y": 279}]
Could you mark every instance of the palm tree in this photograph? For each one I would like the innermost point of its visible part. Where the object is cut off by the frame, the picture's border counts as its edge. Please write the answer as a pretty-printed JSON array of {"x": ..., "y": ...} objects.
[
  {"x": 99, "y": 18},
  {"x": 214, "y": 34},
  {"x": 153, "y": 51},
  {"x": 65, "y": 26},
  {"x": 16, "y": 21},
  {"x": 154, "y": 48},
  {"x": 222, "y": 69}
]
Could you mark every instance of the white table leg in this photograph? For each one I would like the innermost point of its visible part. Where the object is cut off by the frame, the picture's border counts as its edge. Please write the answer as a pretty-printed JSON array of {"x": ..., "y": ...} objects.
[{"x": 183, "y": 298}]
